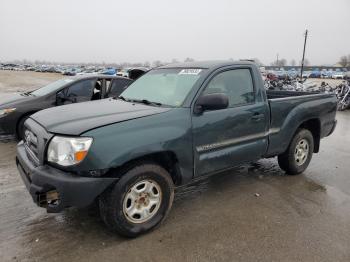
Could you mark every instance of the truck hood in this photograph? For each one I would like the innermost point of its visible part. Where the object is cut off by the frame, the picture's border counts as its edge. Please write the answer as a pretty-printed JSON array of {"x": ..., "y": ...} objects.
[
  {"x": 13, "y": 99},
  {"x": 75, "y": 119}
]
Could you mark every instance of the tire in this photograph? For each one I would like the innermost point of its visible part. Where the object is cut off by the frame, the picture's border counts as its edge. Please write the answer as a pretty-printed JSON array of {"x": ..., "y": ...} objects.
[
  {"x": 115, "y": 202},
  {"x": 295, "y": 161},
  {"x": 20, "y": 127}
]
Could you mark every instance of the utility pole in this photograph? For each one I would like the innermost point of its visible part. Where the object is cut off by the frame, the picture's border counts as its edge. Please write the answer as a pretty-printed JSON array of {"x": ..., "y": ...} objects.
[
  {"x": 277, "y": 60},
  {"x": 302, "y": 61}
]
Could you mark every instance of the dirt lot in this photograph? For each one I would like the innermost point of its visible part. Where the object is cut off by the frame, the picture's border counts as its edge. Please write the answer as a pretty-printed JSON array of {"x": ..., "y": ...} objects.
[
  {"x": 20, "y": 81},
  {"x": 219, "y": 218}
]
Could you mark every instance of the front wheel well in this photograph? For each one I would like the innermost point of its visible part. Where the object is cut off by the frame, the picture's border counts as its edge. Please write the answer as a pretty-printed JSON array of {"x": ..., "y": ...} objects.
[
  {"x": 25, "y": 115},
  {"x": 165, "y": 159},
  {"x": 314, "y": 126}
]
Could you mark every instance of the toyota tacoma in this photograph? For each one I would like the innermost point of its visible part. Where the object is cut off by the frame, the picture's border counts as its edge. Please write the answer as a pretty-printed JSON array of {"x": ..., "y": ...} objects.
[{"x": 173, "y": 124}]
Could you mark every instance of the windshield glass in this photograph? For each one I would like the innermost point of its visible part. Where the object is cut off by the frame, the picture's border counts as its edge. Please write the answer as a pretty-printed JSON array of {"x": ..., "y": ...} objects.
[
  {"x": 51, "y": 87},
  {"x": 166, "y": 86}
]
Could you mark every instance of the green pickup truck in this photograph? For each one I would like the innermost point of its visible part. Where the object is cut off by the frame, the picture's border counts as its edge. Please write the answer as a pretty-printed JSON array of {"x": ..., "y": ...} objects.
[{"x": 173, "y": 124}]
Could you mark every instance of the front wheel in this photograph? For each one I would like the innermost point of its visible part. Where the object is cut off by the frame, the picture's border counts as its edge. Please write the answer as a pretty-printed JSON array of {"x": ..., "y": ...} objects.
[
  {"x": 299, "y": 153},
  {"x": 139, "y": 201}
]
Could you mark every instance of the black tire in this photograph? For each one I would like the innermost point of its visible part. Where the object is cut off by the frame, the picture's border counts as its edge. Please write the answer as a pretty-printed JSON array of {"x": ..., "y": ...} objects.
[
  {"x": 112, "y": 201},
  {"x": 20, "y": 127},
  {"x": 287, "y": 160}
]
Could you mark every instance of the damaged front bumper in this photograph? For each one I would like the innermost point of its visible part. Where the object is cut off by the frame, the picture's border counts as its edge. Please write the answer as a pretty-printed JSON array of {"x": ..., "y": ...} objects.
[{"x": 54, "y": 189}]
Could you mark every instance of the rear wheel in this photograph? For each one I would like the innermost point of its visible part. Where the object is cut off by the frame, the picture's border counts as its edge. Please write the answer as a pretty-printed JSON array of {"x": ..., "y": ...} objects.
[
  {"x": 299, "y": 153},
  {"x": 139, "y": 201}
]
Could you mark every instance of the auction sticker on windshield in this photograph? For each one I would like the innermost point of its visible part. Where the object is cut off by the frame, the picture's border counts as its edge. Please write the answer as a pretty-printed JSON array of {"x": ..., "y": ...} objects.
[{"x": 190, "y": 71}]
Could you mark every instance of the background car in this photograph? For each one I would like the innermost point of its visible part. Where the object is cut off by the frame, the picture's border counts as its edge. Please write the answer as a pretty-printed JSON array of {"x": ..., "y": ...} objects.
[
  {"x": 338, "y": 75},
  {"x": 15, "y": 109},
  {"x": 306, "y": 74},
  {"x": 315, "y": 74},
  {"x": 347, "y": 75}
]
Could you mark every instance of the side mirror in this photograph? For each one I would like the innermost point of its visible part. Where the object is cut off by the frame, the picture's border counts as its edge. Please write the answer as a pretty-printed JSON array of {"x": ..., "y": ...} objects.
[{"x": 215, "y": 101}]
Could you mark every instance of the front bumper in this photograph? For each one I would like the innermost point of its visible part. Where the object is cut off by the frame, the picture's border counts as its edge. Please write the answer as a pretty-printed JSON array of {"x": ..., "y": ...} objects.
[{"x": 72, "y": 190}]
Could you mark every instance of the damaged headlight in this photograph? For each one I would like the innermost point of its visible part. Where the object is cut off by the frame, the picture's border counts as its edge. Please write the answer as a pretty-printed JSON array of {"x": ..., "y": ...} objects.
[
  {"x": 67, "y": 151},
  {"x": 6, "y": 111}
]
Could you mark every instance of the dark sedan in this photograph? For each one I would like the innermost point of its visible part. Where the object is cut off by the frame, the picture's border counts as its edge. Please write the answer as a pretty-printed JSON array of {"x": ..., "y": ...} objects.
[{"x": 16, "y": 108}]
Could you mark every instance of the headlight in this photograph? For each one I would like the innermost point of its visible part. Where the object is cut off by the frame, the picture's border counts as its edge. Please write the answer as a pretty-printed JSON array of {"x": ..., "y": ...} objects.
[
  {"x": 67, "y": 151},
  {"x": 6, "y": 111}
]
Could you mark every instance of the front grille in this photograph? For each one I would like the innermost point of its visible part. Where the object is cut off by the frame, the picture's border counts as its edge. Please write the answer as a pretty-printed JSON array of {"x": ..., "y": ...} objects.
[
  {"x": 30, "y": 141},
  {"x": 35, "y": 140}
]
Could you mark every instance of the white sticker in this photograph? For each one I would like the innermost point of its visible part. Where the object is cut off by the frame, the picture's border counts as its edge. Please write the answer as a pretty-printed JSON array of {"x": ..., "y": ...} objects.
[{"x": 190, "y": 71}]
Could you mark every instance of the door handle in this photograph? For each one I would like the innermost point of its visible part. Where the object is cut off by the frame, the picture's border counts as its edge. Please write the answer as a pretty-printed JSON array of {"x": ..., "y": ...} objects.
[{"x": 258, "y": 117}]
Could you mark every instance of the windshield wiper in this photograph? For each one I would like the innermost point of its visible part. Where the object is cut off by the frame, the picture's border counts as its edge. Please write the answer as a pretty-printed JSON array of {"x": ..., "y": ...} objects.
[
  {"x": 146, "y": 102},
  {"x": 27, "y": 93},
  {"x": 120, "y": 97}
]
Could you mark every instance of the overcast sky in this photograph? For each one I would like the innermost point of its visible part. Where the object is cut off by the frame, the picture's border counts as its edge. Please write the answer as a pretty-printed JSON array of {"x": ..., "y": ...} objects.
[{"x": 148, "y": 30}]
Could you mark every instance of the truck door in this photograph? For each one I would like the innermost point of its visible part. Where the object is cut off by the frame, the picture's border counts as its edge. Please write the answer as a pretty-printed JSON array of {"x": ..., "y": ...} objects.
[{"x": 228, "y": 137}]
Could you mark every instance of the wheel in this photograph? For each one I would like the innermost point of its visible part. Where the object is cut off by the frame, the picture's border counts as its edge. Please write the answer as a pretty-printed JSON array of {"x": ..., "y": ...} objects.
[
  {"x": 299, "y": 153},
  {"x": 139, "y": 201},
  {"x": 20, "y": 127}
]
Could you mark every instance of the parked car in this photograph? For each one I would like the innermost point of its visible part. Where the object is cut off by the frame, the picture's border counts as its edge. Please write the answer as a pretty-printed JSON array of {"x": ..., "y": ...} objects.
[
  {"x": 173, "y": 124},
  {"x": 16, "y": 108},
  {"x": 109, "y": 71},
  {"x": 315, "y": 74},
  {"x": 347, "y": 75},
  {"x": 293, "y": 73},
  {"x": 306, "y": 74},
  {"x": 282, "y": 74},
  {"x": 324, "y": 73},
  {"x": 338, "y": 75}
]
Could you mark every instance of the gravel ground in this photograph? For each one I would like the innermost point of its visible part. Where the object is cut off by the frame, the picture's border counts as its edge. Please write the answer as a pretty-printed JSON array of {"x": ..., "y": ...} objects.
[{"x": 251, "y": 213}]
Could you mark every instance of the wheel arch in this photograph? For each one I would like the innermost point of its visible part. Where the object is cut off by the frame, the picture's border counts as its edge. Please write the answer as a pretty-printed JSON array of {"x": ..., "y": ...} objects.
[
  {"x": 166, "y": 159},
  {"x": 314, "y": 126},
  {"x": 24, "y": 115}
]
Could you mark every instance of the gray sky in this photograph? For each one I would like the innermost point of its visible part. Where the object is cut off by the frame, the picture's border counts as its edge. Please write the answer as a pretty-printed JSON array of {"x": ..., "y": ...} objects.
[{"x": 139, "y": 31}]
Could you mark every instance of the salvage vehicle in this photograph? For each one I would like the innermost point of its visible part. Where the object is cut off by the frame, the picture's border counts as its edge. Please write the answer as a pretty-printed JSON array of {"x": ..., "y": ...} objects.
[
  {"x": 173, "y": 124},
  {"x": 16, "y": 108},
  {"x": 338, "y": 75}
]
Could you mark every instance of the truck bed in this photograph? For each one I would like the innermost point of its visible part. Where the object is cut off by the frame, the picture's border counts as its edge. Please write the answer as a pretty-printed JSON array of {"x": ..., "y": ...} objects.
[
  {"x": 287, "y": 108},
  {"x": 272, "y": 94}
]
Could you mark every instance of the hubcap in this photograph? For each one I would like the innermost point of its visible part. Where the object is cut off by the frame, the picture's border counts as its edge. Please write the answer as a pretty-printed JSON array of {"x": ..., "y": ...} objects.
[
  {"x": 301, "y": 152},
  {"x": 142, "y": 201}
]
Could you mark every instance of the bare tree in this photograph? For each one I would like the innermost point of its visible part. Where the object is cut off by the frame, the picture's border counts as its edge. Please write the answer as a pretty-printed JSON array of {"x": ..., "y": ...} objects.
[
  {"x": 344, "y": 60},
  {"x": 293, "y": 62},
  {"x": 174, "y": 61},
  {"x": 280, "y": 62},
  {"x": 258, "y": 62},
  {"x": 188, "y": 59},
  {"x": 157, "y": 63},
  {"x": 306, "y": 62}
]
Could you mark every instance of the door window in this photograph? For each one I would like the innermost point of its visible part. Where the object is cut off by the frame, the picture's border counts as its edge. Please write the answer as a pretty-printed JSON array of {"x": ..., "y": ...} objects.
[
  {"x": 118, "y": 86},
  {"x": 82, "y": 89},
  {"x": 237, "y": 84}
]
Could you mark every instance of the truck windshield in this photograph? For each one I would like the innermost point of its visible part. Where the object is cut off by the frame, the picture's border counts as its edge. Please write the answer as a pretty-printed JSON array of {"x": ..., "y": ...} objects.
[
  {"x": 168, "y": 86},
  {"x": 51, "y": 87}
]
